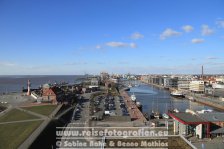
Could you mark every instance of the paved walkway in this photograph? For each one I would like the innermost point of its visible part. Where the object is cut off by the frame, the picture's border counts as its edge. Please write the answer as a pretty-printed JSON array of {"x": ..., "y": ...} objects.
[
  {"x": 11, "y": 122},
  {"x": 32, "y": 113}
]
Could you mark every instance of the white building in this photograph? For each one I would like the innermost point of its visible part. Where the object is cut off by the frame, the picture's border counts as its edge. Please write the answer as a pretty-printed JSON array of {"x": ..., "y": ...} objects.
[
  {"x": 183, "y": 83},
  {"x": 220, "y": 79},
  {"x": 197, "y": 86}
]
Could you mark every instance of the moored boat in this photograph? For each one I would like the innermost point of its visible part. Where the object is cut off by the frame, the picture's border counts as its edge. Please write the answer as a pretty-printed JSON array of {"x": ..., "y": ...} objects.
[
  {"x": 165, "y": 116},
  {"x": 176, "y": 110},
  {"x": 139, "y": 105},
  {"x": 205, "y": 111},
  {"x": 177, "y": 94},
  {"x": 157, "y": 115},
  {"x": 133, "y": 97}
]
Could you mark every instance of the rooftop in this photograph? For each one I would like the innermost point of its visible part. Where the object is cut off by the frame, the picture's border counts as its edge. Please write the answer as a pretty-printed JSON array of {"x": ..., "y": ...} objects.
[
  {"x": 213, "y": 117},
  {"x": 187, "y": 118}
]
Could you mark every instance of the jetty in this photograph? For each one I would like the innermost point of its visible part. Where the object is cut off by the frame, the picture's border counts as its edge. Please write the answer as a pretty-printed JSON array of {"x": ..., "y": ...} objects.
[{"x": 135, "y": 113}]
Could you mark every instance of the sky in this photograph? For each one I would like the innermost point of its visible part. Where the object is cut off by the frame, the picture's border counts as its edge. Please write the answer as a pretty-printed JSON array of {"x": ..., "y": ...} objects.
[{"x": 71, "y": 37}]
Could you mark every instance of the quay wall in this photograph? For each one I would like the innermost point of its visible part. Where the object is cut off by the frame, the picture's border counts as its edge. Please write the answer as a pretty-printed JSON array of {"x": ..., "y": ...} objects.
[{"x": 135, "y": 113}]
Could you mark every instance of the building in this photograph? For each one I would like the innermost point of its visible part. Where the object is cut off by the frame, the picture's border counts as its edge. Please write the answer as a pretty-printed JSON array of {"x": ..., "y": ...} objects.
[
  {"x": 52, "y": 94},
  {"x": 187, "y": 124},
  {"x": 197, "y": 86},
  {"x": 170, "y": 82},
  {"x": 201, "y": 125},
  {"x": 104, "y": 76},
  {"x": 183, "y": 83},
  {"x": 216, "y": 118},
  {"x": 94, "y": 82},
  {"x": 220, "y": 79},
  {"x": 215, "y": 90}
]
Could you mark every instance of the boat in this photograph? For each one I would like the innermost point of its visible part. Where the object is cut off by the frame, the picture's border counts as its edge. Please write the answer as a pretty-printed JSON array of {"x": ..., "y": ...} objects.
[
  {"x": 157, "y": 115},
  {"x": 165, "y": 116},
  {"x": 205, "y": 111},
  {"x": 192, "y": 99},
  {"x": 152, "y": 115},
  {"x": 139, "y": 105},
  {"x": 130, "y": 86},
  {"x": 177, "y": 94},
  {"x": 133, "y": 97},
  {"x": 190, "y": 111},
  {"x": 176, "y": 110}
]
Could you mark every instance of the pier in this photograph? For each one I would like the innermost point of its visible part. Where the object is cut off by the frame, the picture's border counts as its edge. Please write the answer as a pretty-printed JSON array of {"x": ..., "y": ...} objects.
[{"x": 135, "y": 113}]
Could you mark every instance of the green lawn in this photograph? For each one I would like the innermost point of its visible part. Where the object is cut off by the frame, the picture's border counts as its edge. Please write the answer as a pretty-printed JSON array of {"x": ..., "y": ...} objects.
[
  {"x": 16, "y": 115},
  {"x": 12, "y": 135},
  {"x": 44, "y": 110}
]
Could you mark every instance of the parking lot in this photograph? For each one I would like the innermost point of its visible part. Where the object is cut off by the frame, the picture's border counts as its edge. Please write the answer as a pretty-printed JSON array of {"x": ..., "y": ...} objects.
[{"x": 107, "y": 105}]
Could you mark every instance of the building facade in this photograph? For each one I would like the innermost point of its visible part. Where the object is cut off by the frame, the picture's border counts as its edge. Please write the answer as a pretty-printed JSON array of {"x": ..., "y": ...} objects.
[
  {"x": 197, "y": 86},
  {"x": 183, "y": 83}
]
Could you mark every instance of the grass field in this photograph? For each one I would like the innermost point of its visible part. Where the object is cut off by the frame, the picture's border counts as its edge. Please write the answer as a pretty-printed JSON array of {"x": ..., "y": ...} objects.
[
  {"x": 44, "y": 110},
  {"x": 12, "y": 135},
  {"x": 16, "y": 115}
]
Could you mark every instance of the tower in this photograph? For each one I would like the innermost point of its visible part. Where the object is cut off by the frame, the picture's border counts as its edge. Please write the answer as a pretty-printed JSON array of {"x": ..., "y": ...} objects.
[
  {"x": 202, "y": 72},
  {"x": 28, "y": 88}
]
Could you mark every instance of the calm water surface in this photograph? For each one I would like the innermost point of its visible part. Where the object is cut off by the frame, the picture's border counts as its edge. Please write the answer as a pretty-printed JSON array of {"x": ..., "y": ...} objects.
[{"x": 153, "y": 98}]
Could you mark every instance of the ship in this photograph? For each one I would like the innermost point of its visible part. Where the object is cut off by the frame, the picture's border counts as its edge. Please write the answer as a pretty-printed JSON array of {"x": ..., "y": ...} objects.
[
  {"x": 177, "y": 94},
  {"x": 133, "y": 97}
]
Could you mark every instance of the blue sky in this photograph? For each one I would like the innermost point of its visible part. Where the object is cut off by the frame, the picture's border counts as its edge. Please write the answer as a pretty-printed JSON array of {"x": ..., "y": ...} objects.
[{"x": 117, "y": 36}]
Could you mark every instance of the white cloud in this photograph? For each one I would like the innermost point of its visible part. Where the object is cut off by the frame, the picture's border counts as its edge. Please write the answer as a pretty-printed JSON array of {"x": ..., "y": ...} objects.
[
  {"x": 121, "y": 44},
  {"x": 137, "y": 35},
  {"x": 197, "y": 40},
  {"x": 98, "y": 47},
  {"x": 220, "y": 23},
  {"x": 169, "y": 33},
  {"x": 206, "y": 30},
  {"x": 116, "y": 44},
  {"x": 133, "y": 45},
  {"x": 187, "y": 28}
]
